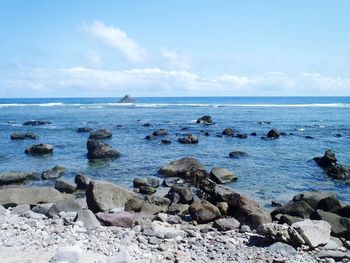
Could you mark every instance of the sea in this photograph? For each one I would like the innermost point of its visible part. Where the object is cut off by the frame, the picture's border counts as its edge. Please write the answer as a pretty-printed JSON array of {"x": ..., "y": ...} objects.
[{"x": 274, "y": 170}]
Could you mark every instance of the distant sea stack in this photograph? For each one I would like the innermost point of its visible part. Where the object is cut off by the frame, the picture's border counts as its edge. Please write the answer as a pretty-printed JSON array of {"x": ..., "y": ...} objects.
[{"x": 127, "y": 99}]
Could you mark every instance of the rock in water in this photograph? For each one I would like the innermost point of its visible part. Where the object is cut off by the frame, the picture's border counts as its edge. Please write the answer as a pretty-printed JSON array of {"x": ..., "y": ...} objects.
[
  {"x": 127, "y": 99},
  {"x": 84, "y": 129},
  {"x": 189, "y": 139},
  {"x": 327, "y": 160},
  {"x": 237, "y": 154},
  {"x": 53, "y": 173},
  {"x": 273, "y": 134},
  {"x": 222, "y": 175},
  {"x": 100, "y": 134},
  {"x": 228, "y": 132},
  {"x": 36, "y": 123},
  {"x": 339, "y": 172},
  {"x": 205, "y": 120},
  {"x": 14, "y": 177},
  {"x": 160, "y": 132},
  {"x": 23, "y": 136},
  {"x": 103, "y": 196},
  {"x": 39, "y": 149},
  {"x": 99, "y": 150},
  {"x": 65, "y": 186},
  {"x": 312, "y": 198},
  {"x": 181, "y": 168},
  {"x": 204, "y": 212}
]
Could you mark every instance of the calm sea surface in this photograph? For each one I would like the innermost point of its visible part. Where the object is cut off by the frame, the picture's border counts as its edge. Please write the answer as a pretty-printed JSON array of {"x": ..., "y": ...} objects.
[{"x": 274, "y": 170}]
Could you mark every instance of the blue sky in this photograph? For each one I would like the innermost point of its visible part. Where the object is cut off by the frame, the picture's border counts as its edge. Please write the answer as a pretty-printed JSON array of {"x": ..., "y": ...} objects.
[{"x": 174, "y": 48}]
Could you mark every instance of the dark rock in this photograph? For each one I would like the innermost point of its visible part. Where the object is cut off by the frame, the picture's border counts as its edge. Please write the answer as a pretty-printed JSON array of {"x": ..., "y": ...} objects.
[
  {"x": 253, "y": 134},
  {"x": 222, "y": 175},
  {"x": 149, "y": 181},
  {"x": 31, "y": 135},
  {"x": 308, "y": 137},
  {"x": 36, "y": 123},
  {"x": 206, "y": 134},
  {"x": 99, "y": 150},
  {"x": 160, "y": 132},
  {"x": 178, "y": 209},
  {"x": 16, "y": 177},
  {"x": 242, "y": 136},
  {"x": 226, "y": 224},
  {"x": 88, "y": 218},
  {"x": 273, "y": 134},
  {"x": 237, "y": 154},
  {"x": 165, "y": 141},
  {"x": 228, "y": 132},
  {"x": 127, "y": 99},
  {"x": 100, "y": 134},
  {"x": 173, "y": 197},
  {"x": 169, "y": 182},
  {"x": 312, "y": 197},
  {"x": 276, "y": 204},
  {"x": 186, "y": 196},
  {"x": 326, "y": 161},
  {"x": 53, "y": 173},
  {"x": 344, "y": 211},
  {"x": 147, "y": 125},
  {"x": 69, "y": 205},
  {"x": 283, "y": 133},
  {"x": 340, "y": 226},
  {"x": 81, "y": 181},
  {"x": 329, "y": 203},
  {"x": 39, "y": 149},
  {"x": 189, "y": 139},
  {"x": 252, "y": 215},
  {"x": 150, "y": 137},
  {"x": 119, "y": 219},
  {"x": 289, "y": 220},
  {"x": 65, "y": 186},
  {"x": 147, "y": 190},
  {"x": 339, "y": 172},
  {"x": 338, "y": 135},
  {"x": 205, "y": 120},
  {"x": 103, "y": 196},
  {"x": 204, "y": 212},
  {"x": 23, "y": 136},
  {"x": 299, "y": 209},
  {"x": 84, "y": 129}
]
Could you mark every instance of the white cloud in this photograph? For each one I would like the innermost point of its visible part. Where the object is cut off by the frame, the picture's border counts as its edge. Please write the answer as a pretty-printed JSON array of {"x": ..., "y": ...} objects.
[
  {"x": 116, "y": 38},
  {"x": 175, "y": 59}
]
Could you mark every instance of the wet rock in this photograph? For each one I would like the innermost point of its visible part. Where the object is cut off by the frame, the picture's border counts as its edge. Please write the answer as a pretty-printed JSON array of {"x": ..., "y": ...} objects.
[
  {"x": 81, "y": 181},
  {"x": 39, "y": 149},
  {"x": 84, "y": 129},
  {"x": 16, "y": 177},
  {"x": 339, "y": 172},
  {"x": 189, "y": 139},
  {"x": 127, "y": 99},
  {"x": 283, "y": 249},
  {"x": 309, "y": 137},
  {"x": 205, "y": 120},
  {"x": 252, "y": 216},
  {"x": 281, "y": 233},
  {"x": 340, "y": 226},
  {"x": 237, "y": 154},
  {"x": 344, "y": 211},
  {"x": 222, "y": 175},
  {"x": 313, "y": 232},
  {"x": 160, "y": 132},
  {"x": 103, "y": 196},
  {"x": 23, "y": 136},
  {"x": 228, "y": 132},
  {"x": 242, "y": 136},
  {"x": 150, "y": 137},
  {"x": 185, "y": 194},
  {"x": 36, "y": 123},
  {"x": 99, "y": 150},
  {"x": 253, "y": 134},
  {"x": 226, "y": 224},
  {"x": 119, "y": 219},
  {"x": 88, "y": 218},
  {"x": 273, "y": 134},
  {"x": 299, "y": 209},
  {"x": 147, "y": 125},
  {"x": 147, "y": 190},
  {"x": 100, "y": 134},
  {"x": 312, "y": 197},
  {"x": 204, "y": 212},
  {"x": 149, "y": 181},
  {"x": 165, "y": 141},
  {"x": 327, "y": 160},
  {"x": 53, "y": 173},
  {"x": 69, "y": 205},
  {"x": 65, "y": 186}
]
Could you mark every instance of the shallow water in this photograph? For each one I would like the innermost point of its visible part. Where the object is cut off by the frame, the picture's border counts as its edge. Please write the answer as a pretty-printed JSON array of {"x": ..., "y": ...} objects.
[{"x": 274, "y": 170}]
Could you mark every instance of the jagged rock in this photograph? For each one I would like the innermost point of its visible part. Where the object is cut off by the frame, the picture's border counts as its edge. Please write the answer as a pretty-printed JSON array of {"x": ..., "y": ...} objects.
[
  {"x": 237, "y": 154},
  {"x": 312, "y": 197},
  {"x": 226, "y": 224},
  {"x": 313, "y": 232},
  {"x": 189, "y": 139},
  {"x": 53, "y": 173},
  {"x": 36, "y": 123},
  {"x": 273, "y": 134},
  {"x": 103, "y": 196},
  {"x": 299, "y": 209},
  {"x": 65, "y": 186},
  {"x": 100, "y": 134},
  {"x": 127, "y": 99},
  {"x": 29, "y": 195},
  {"x": 185, "y": 194},
  {"x": 81, "y": 181},
  {"x": 204, "y": 212},
  {"x": 222, "y": 175},
  {"x": 119, "y": 219},
  {"x": 88, "y": 218},
  {"x": 99, "y": 150},
  {"x": 205, "y": 120},
  {"x": 160, "y": 132},
  {"x": 281, "y": 233},
  {"x": 39, "y": 149},
  {"x": 16, "y": 177}
]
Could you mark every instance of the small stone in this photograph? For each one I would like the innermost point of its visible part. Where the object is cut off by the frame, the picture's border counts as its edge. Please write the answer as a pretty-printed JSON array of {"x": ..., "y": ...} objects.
[{"x": 68, "y": 254}]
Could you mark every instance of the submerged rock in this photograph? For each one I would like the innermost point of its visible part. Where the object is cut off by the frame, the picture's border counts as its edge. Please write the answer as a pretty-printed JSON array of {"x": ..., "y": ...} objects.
[
  {"x": 327, "y": 160},
  {"x": 99, "y": 150},
  {"x": 100, "y": 134},
  {"x": 39, "y": 149},
  {"x": 205, "y": 120},
  {"x": 228, "y": 132}
]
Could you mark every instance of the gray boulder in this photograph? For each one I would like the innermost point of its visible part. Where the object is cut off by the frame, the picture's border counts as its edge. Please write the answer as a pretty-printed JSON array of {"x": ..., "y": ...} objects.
[
  {"x": 298, "y": 209},
  {"x": 185, "y": 193},
  {"x": 312, "y": 197},
  {"x": 281, "y": 233},
  {"x": 65, "y": 186},
  {"x": 39, "y": 149},
  {"x": 69, "y": 205},
  {"x": 23, "y": 136},
  {"x": 88, "y": 218},
  {"x": 53, "y": 173},
  {"x": 16, "y": 177},
  {"x": 222, "y": 175},
  {"x": 283, "y": 249},
  {"x": 204, "y": 212},
  {"x": 252, "y": 216},
  {"x": 226, "y": 224},
  {"x": 149, "y": 181},
  {"x": 160, "y": 132},
  {"x": 99, "y": 150},
  {"x": 100, "y": 134}
]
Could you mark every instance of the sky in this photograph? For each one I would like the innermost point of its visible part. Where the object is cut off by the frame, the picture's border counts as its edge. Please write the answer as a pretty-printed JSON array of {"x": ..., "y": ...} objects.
[{"x": 106, "y": 48}]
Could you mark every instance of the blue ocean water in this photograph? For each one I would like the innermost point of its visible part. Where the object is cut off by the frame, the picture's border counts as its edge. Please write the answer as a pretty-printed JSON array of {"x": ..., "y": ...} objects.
[{"x": 274, "y": 170}]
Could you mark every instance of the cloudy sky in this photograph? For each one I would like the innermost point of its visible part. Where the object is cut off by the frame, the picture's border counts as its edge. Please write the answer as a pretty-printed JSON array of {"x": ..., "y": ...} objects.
[{"x": 77, "y": 48}]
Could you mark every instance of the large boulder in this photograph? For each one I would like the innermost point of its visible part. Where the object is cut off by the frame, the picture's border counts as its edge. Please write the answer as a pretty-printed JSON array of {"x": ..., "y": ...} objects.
[
  {"x": 222, "y": 175},
  {"x": 30, "y": 195},
  {"x": 205, "y": 120},
  {"x": 127, "y": 99},
  {"x": 283, "y": 249},
  {"x": 187, "y": 168},
  {"x": 204, "y": 212},
  {"x": 189, "y": 139},
  {"x": 53, "y": 173},
  {"x": 273, "y": 134},
  {"x": 39, "y": 149},
  {"x": 184, "y": 192},
  {"x": 36, "y": 123},
  {"x": 313, "y": 232},
  {"x": 99, "y": 150},
  {"x": 119, "y": 219},
  {"x": 65, "y": 186},
  {"x": 149, "y": 181},
  {"x": 252, "y": 216},
  {"x": 299, "y": 209},
  {"x": 103, "y": 196},
  {"x": 16, "y": 177},
  {"x": 88, "y": 218},
  {"x": 143, "y": 209},
  {"x": 327, "y": 160},
  {"x": 312, "y": 197},
  {"x": 281, "y": 233},
  {"x": 100, "y": 134},
  {"x": 329, "y": 203}
]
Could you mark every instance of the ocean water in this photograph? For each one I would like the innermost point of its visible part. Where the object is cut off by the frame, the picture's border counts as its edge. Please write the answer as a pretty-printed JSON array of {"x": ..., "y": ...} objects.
[{"x": 274, "y": 170}]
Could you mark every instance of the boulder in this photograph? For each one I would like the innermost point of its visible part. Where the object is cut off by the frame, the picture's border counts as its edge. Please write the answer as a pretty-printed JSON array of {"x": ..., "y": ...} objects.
[
  {"x": 84, "y": 129},
  {"x": 160, "y": 132},
  {"x": 39, "y": 149},
  {"x": 299, "y": 209},
  {"x": 16, "y": 177},
  {"x": 149, "y": 181},
  {"x": 99, "y": 150},
  {"x": 36, "y": 123},
  {"x": 189, "y": 139},
  {"x": 147, "y": 190},
  {"x": 69, "y": 205},
  {"x": 237, "y": 154},
  {"x": 204, "y": 212},
  {"x": 205, "y": 120},
  {"x": 283, "y": 249},
  {"x": 23, "y": 136},
  {"x": 273, "y": 134},
  {"x": 344, "y": 211},
  {"x": 327, "y": 160},
  {"x": 228, "y": 132},
  {"x": 281, "y": 233},
  {"x": 340, "y": 226},
  {"x": 329, "y": 203},
  {"x": 100, "y": 134},
  {"x": 103, "y": 196},
  {"x": 252, "y": 216},
  {"x": 222, "y": 175},
  {"x": 159, "y": 201},
  {"x": 88, "y": 218},
  {"x": 127, "y": 99},
  {"x": 339, "y": 172},
  {"x": 142, "y": 208},
  {"x": 81, "y": 181},
  {"x": 29, "y": 195},
  {"x": 65, "y": 186},
  {"x": 312, "y": 197},
  {"x": 20, "y": 209},
  {"x": 223, "y": 207},
  {"x": 119, "y": 219},
  {"x": 288, "y": 219},
  {"x": 185, "y": 193},
  {"x": 313, "y": 232},
  {"x": 226, "y": 224},
  {"x": 42, "y": 208},
  {"x": 53, "y": 173}
]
